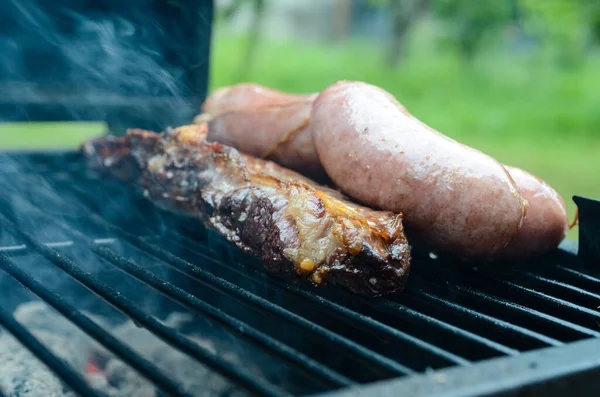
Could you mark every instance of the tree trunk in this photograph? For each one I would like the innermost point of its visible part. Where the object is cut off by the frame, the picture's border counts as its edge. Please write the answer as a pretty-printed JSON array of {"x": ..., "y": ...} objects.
[
  {"x": 342, "y": 11},
  {"x": 258, "y": 7},
  {"x": 404, "y": 13}
]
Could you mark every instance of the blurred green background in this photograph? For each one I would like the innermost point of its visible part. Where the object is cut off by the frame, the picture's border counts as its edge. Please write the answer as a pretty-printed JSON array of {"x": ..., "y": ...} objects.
[{"x": 517, "y": 79}]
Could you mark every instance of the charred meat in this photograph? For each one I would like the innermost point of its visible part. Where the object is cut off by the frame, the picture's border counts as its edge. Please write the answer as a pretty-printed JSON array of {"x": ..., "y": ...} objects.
[{"x": 300, "y": 230}]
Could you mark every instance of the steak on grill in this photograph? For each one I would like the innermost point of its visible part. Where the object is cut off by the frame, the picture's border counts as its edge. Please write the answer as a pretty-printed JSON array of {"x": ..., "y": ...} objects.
[{"x": 301, "y": 231}]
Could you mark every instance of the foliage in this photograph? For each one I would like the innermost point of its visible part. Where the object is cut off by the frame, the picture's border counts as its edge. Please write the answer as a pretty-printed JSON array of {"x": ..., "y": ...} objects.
[
  {"x": 471, "y": 22},
  {"x": 226, "y": 13},
  {"x": 559, "y": 24},
  {"x": 593, "y": 13},
  {"x": 498, "y": 95},
  {"x": 566, "y": 28}
]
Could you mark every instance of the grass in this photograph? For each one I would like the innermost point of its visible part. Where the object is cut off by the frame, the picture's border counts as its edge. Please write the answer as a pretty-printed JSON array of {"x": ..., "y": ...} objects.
[
  {"x": 47, "y": 135},
  {"x": 523, "y": 110}
]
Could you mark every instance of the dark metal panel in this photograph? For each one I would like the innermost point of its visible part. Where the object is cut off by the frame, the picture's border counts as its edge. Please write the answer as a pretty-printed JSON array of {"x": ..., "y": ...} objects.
[
  {"x": 572, "y": 370},
  {"x": 589, "y": 230},
  {"x": 136, "y": 63}
]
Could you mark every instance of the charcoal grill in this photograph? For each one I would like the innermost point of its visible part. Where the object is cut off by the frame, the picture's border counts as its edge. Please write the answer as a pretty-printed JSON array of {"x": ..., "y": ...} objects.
[{"x": 94, "y": 249}]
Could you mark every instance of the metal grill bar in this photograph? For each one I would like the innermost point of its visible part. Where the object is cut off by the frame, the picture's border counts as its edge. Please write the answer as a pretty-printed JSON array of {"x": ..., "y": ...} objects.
[
  {"x": 586, "y": 316},
  {"x": 144, "y": 367},
  {"x": 243, "y": 330},
  {"x": 521, "y": 334},
  {"x": 510, "y": 330},
  {"x": 534, "y": 339},
  {"x": 391, "y": 367},
  {"x": 63, "y": 370},
  {"x": 463, "y": 295},
  {"x": 513, "y": 291},
  {"x": 470, "y": 279},
  {"x": 230, "y": 289},
  {"x": 432, "y": 353},
  {"x": 174, "y": 338},
  {"x": 568, "y": 371},
  {"x": 395, "y": 308},
  {"x": 493, "y": 348},
  {"x": 570, "y": 292},
  {"x": 399, "y": 311},
  {"x": 577, "y": 277},
  {"x": 190, "y": 301},
  {"x": 545, "y": 321},
  {"x": 404, "y": 314},
  {"x": 12, "y": 249}
]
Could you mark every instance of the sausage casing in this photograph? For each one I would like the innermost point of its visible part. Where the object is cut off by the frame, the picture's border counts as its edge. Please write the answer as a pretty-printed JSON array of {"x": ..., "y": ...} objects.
[
  {"x": 546, "y": 223},
  {"x": 265, "y": 123},
  {"x": 454, "y": 197}
]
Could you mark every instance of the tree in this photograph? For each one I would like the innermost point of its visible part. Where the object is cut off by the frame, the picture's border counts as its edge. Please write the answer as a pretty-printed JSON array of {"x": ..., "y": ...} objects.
[
  {"x": 470, "y": 22},
  {"x": 405, "y": 13},
  {"x": 258, "y": 11},
  {"x": 565, "y": 26}
]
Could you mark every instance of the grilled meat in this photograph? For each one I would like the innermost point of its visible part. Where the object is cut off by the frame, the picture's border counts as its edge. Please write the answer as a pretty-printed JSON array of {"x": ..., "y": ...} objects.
[
  {"x": 301, "y": 231},
  {"x": 454, "y": 198}
]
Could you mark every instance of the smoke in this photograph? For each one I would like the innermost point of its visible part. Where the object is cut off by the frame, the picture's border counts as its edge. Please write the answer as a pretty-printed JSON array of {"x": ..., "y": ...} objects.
[
  {"x": 137, "y": 63},
  {"x": 38, "y": 200},
  {"x": 104, "y": 56},
  {"x": 37, "y": 197}
]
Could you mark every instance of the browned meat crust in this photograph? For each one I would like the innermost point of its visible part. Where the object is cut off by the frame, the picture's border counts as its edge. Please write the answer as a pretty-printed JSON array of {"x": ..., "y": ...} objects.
[{"x": 301, "y": 231}]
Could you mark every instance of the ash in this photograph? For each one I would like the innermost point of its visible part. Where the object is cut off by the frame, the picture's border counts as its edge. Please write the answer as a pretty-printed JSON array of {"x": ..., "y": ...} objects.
[{"x": 22, "y": 375}]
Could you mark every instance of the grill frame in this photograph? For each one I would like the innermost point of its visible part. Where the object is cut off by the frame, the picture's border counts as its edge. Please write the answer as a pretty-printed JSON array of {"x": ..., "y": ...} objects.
[
  {"x": 555, "y": 371},
  {"x": 551, "y": 369},
  {"x": 551, "y": 372}
]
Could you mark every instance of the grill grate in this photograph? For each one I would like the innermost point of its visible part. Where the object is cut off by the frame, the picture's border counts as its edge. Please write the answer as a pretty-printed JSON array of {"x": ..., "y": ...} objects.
[{"x": 64, "y": 236}]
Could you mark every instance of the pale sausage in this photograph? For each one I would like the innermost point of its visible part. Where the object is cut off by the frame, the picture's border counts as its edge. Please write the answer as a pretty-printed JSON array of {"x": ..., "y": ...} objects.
[
  {"x": 265, "y": 123},
  {"x": 453, "y": 197},
  {"x": 546, "y": 223}
]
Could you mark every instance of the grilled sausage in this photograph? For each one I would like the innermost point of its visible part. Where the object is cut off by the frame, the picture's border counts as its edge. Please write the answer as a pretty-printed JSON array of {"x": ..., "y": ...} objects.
[
  {"x": 546, "y": 223},
  {"x": 265, "y": 123},
  {"x": 543, "y": 228},
  {"x": 454, "y": 197}
]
